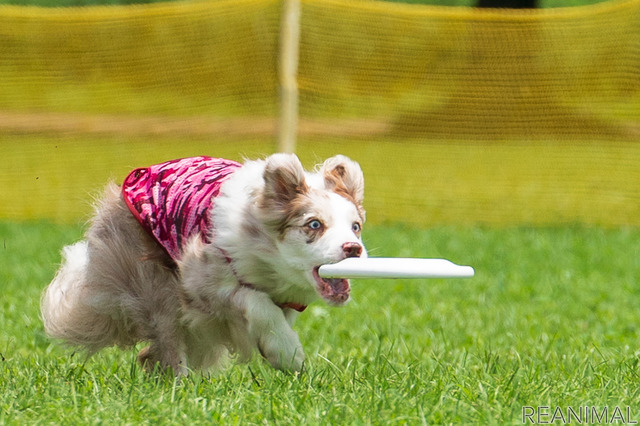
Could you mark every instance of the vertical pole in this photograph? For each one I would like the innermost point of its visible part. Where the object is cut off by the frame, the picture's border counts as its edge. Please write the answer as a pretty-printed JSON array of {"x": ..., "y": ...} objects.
[{"x": 288, "y": 75}]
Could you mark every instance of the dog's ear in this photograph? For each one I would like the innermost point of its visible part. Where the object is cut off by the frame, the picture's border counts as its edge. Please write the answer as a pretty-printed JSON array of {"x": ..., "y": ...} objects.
[
  {"x": 283, "y": 179},
  {"x": 344, "y": 176}
]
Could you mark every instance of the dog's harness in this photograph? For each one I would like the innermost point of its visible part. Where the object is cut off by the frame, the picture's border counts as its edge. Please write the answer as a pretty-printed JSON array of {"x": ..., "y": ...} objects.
[{"x": 172, "y": 202}]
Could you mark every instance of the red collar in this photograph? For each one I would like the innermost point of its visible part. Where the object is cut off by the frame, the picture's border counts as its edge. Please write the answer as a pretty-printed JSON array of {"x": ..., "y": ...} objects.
[
  {"x": 292, "y": 305},
  {"x": 286, "y": 305}
]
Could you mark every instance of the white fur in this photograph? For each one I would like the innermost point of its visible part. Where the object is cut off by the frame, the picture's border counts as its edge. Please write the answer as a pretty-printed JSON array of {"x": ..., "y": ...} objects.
[
  {"x": 230, "y": 297},
  {"x": 63, "y": 292}
]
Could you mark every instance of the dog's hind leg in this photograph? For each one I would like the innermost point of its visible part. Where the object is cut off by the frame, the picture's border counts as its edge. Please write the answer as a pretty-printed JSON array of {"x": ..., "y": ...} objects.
[
  {"x": 135, "y": 284},
  {"x": 158, "y": 325},
  {"x": 166, "y": 357}
]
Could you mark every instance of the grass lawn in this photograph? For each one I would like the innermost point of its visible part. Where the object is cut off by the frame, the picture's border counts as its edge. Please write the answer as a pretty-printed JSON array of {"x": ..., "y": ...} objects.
[{"x": 550, "y": 319}]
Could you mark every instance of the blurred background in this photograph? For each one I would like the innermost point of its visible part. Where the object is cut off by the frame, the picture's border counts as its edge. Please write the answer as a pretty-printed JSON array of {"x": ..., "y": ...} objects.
[{"x": 482, "y": 112}]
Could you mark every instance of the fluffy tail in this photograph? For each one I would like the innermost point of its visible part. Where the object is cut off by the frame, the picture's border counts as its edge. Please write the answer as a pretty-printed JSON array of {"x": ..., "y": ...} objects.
[{"x": 61, "y": 300}]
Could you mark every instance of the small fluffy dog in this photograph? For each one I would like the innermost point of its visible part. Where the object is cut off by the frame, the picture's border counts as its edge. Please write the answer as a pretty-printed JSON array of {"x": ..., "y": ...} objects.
[{"x": 206, "y": 258}]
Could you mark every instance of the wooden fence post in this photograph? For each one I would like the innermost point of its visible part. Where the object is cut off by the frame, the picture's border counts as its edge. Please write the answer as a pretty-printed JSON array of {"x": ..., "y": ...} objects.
[{"x": 288, "y": 76}]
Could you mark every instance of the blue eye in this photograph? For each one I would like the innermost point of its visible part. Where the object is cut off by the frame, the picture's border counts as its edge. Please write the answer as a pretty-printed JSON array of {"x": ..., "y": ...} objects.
[
  {"x": 315, "y": 224},
  {"x": 356, "y": 227}
]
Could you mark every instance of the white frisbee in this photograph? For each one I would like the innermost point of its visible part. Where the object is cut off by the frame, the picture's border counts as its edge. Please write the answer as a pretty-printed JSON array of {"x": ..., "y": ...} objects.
[{"x": 395, "y": 267}]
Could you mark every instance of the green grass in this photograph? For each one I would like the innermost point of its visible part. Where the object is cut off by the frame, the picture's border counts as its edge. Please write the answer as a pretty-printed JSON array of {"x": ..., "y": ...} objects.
[{"x": 550, "y": 319}]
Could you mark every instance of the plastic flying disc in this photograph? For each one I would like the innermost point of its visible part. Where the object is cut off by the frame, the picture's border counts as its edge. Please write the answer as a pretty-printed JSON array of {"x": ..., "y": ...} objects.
[{"x": 394, "y": 267}]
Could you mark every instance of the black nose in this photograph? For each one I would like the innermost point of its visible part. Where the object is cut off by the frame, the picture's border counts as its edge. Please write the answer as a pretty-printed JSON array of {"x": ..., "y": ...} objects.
[{"x": 352, "y": 249}]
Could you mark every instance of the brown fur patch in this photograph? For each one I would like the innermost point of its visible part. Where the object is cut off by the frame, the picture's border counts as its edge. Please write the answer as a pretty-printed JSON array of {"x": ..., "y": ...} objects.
[
  {"x": 335, "y": 180},
  {"x": 282, "y": 213},
  {"x": 340, "y": 180},
  {"x": 283, "y": 197},
  {"x": 286, "y": 187},
  {"x": 293, "y": 214}
]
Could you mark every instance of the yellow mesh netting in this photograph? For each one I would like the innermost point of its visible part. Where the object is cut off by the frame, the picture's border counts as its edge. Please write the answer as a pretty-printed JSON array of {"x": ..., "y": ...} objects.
[
  {"x": 475, "y": 73},
  {"x": 458, "y": 115},
  {"x": 172, "y": 59}
]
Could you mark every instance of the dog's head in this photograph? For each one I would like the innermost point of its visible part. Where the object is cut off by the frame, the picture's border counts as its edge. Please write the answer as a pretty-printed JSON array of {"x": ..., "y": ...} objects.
[{"x": 316, "y": 218}]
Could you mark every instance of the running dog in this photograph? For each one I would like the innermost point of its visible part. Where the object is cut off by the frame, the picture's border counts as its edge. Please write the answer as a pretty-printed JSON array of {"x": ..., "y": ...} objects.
[{"x": 207, "y": 259}]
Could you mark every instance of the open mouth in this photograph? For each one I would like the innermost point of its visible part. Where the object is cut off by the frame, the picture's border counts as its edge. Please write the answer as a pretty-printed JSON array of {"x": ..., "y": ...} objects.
[{"x": 333, "y": 290}]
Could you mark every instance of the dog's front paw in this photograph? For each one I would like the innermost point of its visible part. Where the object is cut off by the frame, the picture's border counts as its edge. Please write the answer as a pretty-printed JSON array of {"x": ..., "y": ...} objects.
[{"x": 282, "y": 350}]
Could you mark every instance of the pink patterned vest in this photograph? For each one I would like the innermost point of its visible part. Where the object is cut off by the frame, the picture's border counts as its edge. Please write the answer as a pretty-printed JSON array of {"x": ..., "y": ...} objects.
[{"x": 173, "y": 200}]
